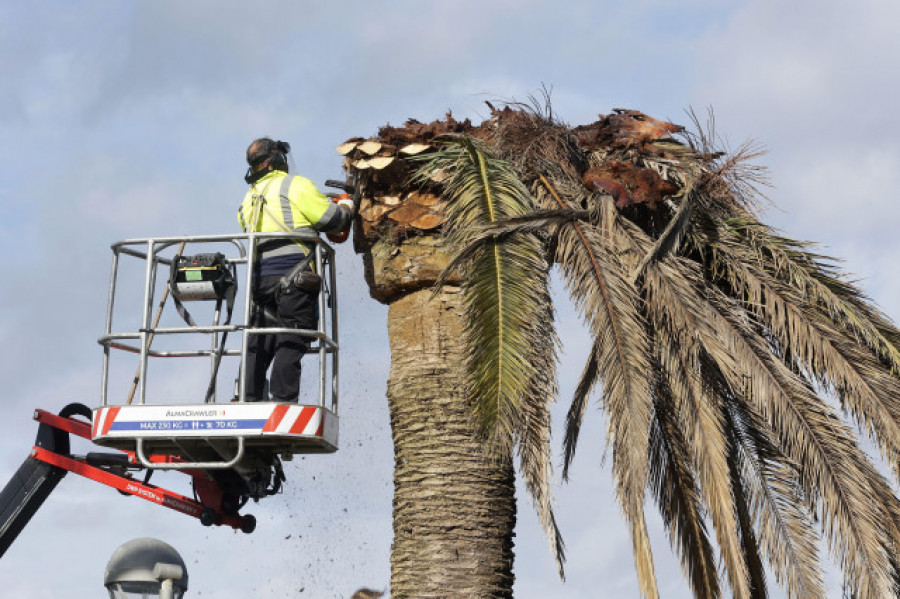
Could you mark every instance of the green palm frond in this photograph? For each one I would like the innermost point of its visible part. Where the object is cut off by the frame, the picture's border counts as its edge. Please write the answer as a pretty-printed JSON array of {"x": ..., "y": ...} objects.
[
  {"x": 500, "y": 282},
  {"x": 509, "y": 317}
]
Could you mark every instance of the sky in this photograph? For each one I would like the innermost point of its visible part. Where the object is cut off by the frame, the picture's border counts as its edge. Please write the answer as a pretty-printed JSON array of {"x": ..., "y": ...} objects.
[{"x": 128, "y": 119}]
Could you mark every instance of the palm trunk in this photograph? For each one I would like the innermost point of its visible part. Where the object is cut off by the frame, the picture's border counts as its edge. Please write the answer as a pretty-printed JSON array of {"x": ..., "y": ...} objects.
[{"x": 454, "y": 508}]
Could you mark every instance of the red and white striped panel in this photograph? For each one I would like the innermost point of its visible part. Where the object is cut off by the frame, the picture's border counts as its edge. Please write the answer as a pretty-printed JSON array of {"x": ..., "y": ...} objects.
[
  {"x": 103, "y": 419},
  {"x": 298, "y": 420}
]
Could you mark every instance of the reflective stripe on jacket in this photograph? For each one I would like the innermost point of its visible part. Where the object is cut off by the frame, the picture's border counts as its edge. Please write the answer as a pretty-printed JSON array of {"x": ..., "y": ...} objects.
[
  {"x": 279, "y": 202},
  {"x": 294, "y": 202}
]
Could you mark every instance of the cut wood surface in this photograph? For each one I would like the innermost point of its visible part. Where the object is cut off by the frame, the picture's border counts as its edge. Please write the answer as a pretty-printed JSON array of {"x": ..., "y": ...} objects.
[{"x": 394, "y": 207}]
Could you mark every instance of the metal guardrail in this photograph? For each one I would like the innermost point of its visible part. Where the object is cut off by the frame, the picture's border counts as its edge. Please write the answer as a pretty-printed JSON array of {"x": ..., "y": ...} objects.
[{"x": 242, "y": 248}]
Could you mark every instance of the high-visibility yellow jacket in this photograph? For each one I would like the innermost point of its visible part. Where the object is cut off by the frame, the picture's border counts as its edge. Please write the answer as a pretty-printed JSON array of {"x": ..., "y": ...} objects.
[{"x": 278, "y": 202}]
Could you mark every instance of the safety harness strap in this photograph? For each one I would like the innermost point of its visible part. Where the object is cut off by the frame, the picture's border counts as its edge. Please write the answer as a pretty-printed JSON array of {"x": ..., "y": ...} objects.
[
  {"x": 227, "y": 294},
  {"x": 229, "y": 308}
]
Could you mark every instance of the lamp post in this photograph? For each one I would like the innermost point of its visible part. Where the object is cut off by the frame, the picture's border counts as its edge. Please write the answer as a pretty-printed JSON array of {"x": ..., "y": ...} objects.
[{"x": 144, "y": 568}]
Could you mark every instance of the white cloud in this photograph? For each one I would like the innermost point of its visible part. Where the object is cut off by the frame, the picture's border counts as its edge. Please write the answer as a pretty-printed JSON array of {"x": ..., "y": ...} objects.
[
  {"x": 845, "y": 194},
  {"x": 823, "y": 68}
]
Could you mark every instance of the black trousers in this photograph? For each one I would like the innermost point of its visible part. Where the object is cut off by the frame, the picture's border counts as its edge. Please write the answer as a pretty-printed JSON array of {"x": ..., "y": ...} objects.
[{"x": 294, "y": 309}]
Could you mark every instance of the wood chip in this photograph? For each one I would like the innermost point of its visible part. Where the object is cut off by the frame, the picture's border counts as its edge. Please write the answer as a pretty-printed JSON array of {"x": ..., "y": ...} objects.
[
  {"x": 370, "y": 147},
  {"x": 346, "y": 147},
  {"x": 389, "y": 200},
  {"x": 428, "y": 221},
  {"x": 413, "y": 149},
  {"x": 423, "y": 198},
  {"x": 407, "y": 213},
  {"x": 379, "y": 162},
  {"x": 374, "y": 212}
]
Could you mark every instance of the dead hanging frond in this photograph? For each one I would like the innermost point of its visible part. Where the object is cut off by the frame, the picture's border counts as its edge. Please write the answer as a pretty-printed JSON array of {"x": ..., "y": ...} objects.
[
  {"x": 619, "y": 362},
  {"x": 808, "y": 436},
  {"x": 785, "y": 533},
  {"x": 535, "y": 456},
  {"x": 597, "y": 284},
  {"x": 810, "y": 336},
  {"x": 677, "y": 493},
  {"x": 809, "y": 433},
  {"x": 811, "y": 438},
  {"x": 693, "y": 398},
  {"x": 815, "y": 278},
  {"x": 509, "y": 327}
]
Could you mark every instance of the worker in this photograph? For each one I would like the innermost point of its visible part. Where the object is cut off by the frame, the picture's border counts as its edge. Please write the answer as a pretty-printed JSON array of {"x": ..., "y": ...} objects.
[{"x": 277, "y": 201}]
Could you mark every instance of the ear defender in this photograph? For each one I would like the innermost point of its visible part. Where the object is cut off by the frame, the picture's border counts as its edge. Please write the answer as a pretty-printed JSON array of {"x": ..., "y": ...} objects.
[{"x": 279, "y": 160}]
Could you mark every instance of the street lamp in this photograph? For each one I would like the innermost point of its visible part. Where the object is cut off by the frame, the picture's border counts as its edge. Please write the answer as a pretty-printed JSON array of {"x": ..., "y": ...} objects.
[{"x": 145, "y": 568}]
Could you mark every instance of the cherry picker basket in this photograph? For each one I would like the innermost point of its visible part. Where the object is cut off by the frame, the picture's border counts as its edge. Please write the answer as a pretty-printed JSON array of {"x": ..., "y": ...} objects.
[{"x": 211, "y": 432}]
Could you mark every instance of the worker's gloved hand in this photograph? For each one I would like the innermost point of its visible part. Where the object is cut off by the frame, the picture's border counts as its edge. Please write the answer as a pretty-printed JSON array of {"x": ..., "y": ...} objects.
[{"x": 344, "y": 201}]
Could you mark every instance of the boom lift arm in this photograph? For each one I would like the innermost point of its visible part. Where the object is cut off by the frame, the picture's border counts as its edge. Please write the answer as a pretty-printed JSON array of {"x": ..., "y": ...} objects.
[{"x": 50, "y": 460}]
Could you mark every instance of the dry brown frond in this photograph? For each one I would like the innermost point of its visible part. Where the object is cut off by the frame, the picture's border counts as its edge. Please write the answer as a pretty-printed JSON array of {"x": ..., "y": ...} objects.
[
  {"x": 809, "y": 337},
  {"x": 681, "y": 360},
  {"x": 533, "y": 141},
  {"x": 675, "y": 486},
  {"x": 814, "y": 276},
  {"x": 786, "y": 534},
  {"x": 730, "y": 175},
  {"x": 815, "y": 438},
  {"x": 596, "y": 281}
]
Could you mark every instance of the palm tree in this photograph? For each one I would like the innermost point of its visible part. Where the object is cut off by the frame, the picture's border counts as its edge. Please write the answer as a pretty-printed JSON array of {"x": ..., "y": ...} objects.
[
  {"x": 737, "y": 369},
  {"x": 454, "y": 497}
]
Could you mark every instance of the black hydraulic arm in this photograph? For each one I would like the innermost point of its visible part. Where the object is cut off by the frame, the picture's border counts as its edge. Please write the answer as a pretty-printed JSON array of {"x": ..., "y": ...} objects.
[
  {"x": 23, "y": 495},
  {"x": 33, "y": 482}
]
